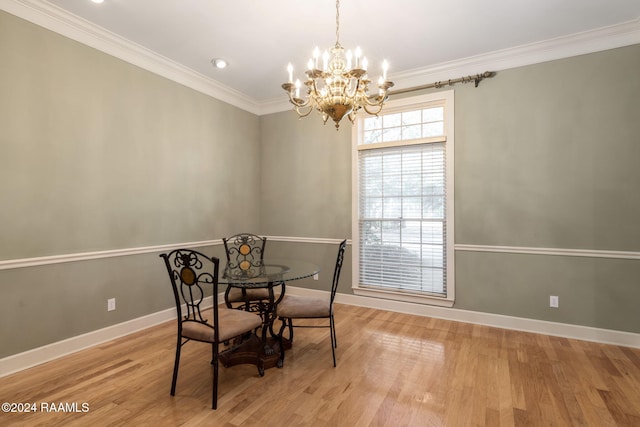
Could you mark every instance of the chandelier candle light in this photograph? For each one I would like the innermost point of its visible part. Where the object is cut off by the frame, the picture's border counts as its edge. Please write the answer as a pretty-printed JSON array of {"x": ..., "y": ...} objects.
[{"x": 337, "y": 84}]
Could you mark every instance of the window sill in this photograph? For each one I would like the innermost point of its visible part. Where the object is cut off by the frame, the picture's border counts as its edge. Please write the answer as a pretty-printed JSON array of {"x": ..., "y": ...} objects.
[{"x": 402, "y": 296}]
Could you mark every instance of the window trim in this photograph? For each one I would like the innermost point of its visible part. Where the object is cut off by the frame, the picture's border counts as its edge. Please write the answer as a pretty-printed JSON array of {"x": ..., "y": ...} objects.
[{"x": 403, "y": 104}]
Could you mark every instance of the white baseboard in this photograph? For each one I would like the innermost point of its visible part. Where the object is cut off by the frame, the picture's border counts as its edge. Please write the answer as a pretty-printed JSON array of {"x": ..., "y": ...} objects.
[
  {"x": 46, "y": 353},
  {"x": 37, "y": 356},
  {"x": 585, "y": 333}
]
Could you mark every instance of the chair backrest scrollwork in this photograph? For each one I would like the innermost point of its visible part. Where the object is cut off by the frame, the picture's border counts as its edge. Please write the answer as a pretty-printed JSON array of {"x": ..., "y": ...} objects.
[
  {"x": 245, "y": 251},
  {"x": 190, "y": 272}
]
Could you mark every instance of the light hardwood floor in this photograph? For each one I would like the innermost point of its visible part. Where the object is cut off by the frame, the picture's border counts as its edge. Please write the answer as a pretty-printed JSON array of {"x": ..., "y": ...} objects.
[{"x": 393, "y": 370}]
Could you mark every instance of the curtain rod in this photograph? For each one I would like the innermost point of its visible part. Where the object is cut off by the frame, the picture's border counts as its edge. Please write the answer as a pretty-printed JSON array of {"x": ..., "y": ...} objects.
[{"x": 468, "y": 79}]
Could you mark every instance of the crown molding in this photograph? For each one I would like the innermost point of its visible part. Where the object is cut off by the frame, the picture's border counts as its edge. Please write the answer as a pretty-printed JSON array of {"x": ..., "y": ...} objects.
[
  {"x": 62, "y": 22},
  {"x": 275, "y": 105},
  {"x": 58, "y": 20},
  {"x": 600, "y": 39}
]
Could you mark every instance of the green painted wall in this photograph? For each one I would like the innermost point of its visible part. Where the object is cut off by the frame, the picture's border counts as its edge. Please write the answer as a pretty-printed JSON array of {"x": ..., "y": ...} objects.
[
  {"x": 97, "y": 154},
  {"x": 546, "y": 156},
  {"x": 306, "y": 177},
  {"x": 596, "y": 292}
]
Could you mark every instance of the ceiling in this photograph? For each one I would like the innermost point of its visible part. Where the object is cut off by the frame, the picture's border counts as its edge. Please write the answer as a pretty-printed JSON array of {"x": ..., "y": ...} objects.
[{"x": 259, "y": 37}]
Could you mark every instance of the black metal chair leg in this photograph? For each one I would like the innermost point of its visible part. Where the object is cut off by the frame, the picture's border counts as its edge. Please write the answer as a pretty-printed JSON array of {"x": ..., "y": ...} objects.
[
  {"x": 176, "y": 364},
  {"x": 214, "y": 397},
  {"x": 280, "y": 335},
  {"x": 291, "y": 330},
  {"x": 334, "y": 344},
  {"x": 333, "y": 331}
]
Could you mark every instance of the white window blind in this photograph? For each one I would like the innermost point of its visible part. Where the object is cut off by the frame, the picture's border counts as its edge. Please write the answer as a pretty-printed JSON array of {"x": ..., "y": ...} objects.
[
  {"x": 403, "y": 210},
  {"x": 402, "y": 213}
]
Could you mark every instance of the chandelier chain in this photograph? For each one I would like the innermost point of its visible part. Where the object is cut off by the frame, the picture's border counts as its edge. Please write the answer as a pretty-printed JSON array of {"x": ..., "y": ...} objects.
[{"x": 337, "y": 22}]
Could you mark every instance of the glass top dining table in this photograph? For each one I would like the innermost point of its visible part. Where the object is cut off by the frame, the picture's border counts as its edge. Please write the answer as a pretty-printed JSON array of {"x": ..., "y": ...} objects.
[
  {"x": 265, "y": 351},
  {"x": 270, "y": 271}
]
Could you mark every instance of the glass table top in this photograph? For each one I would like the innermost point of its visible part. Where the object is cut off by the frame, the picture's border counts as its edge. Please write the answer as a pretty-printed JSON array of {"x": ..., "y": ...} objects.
[{"x": 271, "y": 270}]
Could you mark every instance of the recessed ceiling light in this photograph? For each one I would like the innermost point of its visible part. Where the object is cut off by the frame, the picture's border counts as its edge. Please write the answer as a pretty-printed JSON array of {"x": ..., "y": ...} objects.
[
  {"x": 219, "y": 63},
  {"x": 97, "y": 1}
]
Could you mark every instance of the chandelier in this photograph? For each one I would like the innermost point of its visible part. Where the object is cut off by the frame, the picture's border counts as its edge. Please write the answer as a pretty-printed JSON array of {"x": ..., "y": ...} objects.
[{"x": 337, "y": 84}]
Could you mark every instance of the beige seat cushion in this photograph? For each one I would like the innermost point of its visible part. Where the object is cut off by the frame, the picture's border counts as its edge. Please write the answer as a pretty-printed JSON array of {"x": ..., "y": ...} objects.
[
  {"x": 294, "y": 306},
  {"x": 235, "y": 294},
  {"x": 232, "y": 323}
]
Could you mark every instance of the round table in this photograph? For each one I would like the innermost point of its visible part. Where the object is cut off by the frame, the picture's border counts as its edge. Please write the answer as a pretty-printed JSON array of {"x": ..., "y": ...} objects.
[{"x": 265, "y": 351}]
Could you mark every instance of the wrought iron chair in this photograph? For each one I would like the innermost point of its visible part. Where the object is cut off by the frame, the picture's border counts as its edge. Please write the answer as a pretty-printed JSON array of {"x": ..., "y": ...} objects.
[
  {"x": 190, "y": 273},
  {"x": 303, "y": 307},
  {"x": 245, "y": 252}
]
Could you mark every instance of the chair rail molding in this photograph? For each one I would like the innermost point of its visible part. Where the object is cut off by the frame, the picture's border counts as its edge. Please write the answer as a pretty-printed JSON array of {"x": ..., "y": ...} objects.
[
  {"x": 590, "y": 253},
  {"x": 84, "y": 256},
  {"x": 321, "y": 240}
]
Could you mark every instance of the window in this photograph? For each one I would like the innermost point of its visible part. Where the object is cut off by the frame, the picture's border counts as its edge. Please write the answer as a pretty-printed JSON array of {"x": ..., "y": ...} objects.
[{"x": 403, "y": 211}]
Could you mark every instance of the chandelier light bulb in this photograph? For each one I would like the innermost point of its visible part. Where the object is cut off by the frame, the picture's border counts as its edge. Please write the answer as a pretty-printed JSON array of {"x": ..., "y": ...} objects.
[
  {"x": 290, "y": 70},
  {"x": 298, "y": 84}
]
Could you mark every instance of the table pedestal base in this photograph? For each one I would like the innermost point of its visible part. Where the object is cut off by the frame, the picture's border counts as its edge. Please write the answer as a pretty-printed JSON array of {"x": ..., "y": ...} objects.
[{"x": 252, "y": 351}]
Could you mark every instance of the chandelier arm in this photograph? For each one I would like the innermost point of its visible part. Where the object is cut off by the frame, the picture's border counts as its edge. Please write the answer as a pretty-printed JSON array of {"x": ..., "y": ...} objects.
[
  {"x": 301, "y": 114},
  {"x": 357, "y": 88},
  {"x": 378, "y": 101},
  {"x": 373, "y": 113},
  {"x": 314, "y": 89},
  {"x": 297, "y": 102}
]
